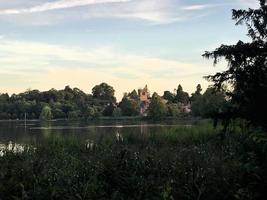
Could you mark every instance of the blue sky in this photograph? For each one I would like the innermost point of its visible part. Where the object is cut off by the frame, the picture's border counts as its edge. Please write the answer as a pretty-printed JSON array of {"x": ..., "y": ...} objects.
[{"x": 126, "y": 43}]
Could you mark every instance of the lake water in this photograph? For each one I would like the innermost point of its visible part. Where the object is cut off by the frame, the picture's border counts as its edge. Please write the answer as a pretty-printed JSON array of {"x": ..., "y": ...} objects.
[{"x": 35, "y": 131}]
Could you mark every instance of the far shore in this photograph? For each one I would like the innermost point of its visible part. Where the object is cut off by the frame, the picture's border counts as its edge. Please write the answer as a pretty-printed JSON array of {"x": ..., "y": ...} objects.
[{"x": 138, "y": 118}]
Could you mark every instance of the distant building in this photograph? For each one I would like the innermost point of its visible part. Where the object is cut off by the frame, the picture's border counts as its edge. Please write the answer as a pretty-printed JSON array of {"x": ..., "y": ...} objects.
[{"x": 144, "y": 97}]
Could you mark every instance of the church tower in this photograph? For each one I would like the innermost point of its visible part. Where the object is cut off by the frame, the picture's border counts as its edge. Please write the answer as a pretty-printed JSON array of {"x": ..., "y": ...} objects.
[{"x": 144, "y": 99}]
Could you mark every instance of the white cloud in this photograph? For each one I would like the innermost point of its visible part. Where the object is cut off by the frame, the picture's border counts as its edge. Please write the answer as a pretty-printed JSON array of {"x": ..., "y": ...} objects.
[
  {"x": 151, "y": 11},
  {"x": 61, "y": 4},
  {"x": 154, "y": 12},
  {"x": 20, "y": 53},
  {"x": 197, "y": 7}
]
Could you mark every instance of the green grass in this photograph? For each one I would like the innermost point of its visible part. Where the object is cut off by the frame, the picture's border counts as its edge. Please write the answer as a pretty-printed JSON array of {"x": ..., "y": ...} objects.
[{"x": 183, "y": 163}]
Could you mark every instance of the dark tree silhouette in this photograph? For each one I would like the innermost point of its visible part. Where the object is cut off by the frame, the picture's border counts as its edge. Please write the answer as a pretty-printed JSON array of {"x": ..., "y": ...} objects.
[
  {"x": 246, "y": 75},
  {"x": 168, "y": 96},
  {"x": 181, "y": 96}
]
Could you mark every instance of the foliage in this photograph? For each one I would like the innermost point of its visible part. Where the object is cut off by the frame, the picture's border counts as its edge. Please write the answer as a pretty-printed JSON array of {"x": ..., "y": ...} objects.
[
  {"x": 181, "y": 96},
  {"x": 75, "y": 104},
  {"x": 247, "y": 67},
  {"x": 129, "y": 107},
  {"x": 184, "y": 163},
  {"x": 46, "y": 113},
  {"x": 67, "y": 103},
  {"x": 74, "y": 115},
  {"x": 104, "y": 92},
  {"x": 91, "y": 111},
  {"x": 108, "y": 111},
  {"x": 117, "y": 112},
  {"x": 168, "y": 96},
  {"x": 209, "y": 104},
  {"x": 197, "y": 93},
  {"x": 157, "y": 108},
  {"x": 133, "y": 95},
  {"x": 173, "y": 110}
]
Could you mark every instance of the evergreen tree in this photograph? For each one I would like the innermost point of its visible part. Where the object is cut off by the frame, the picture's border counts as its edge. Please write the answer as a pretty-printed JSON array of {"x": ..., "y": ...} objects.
[
  {"x": 247, "y": 67},
  {"x": 197, "y": 93},
  {"x": 181, "y": 96}
]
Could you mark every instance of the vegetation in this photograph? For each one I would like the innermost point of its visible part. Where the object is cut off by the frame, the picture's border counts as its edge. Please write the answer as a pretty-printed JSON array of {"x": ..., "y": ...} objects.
[
  {"x": 75, "y": 104},
  {"x": 187, "y": 162},
  {"x": 46, "y": 113},
  {"x": 210, "y": 104},
  {"x": 184, "y": 163},
  {"x": 157, "y": 109},
  {"x": 129, "y": 107},
  {"x": 181, "y": 96},
  {"x": 247, "y": 71}
]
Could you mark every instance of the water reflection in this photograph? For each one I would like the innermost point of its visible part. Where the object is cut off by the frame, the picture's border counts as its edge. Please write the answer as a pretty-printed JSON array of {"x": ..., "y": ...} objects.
[{"x": 36, "y": 131}]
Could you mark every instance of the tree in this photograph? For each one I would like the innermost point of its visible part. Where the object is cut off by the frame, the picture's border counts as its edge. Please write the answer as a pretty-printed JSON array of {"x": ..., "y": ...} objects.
[
  {"x": 91, "y": 112},
  {"x": 157, "y": 109},
  {"x": 108, "y": 111},
  {"x": 199, "y": 89},
  {"x": 4, "y": 98},
  {"x": 168, "y": 96},
  {"x": 173, "y": 110},
  {"x": 210, "y": 104},
  {"x": 74, "y": 115},
  {"x": 129, "y": 107},
  {"x": 197, "y": 93},
  {"x": 104, "y": 92},
  {"x": 63, "y": 103},
  {"x": 133, "y": 95},
  {"x": 46, "y": 113},
  {"x": 181, "y": 96},
  {"x": 247, "y": 67},
  {"x": 117, "y": 112}
]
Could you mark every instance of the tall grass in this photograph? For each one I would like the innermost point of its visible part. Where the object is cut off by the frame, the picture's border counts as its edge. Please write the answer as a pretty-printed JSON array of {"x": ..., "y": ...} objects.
[{"x": 183, "y": 163}]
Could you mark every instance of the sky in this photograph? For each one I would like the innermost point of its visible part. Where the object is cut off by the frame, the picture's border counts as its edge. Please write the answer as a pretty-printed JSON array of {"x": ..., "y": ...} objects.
[{"x": 48, "y": 44}]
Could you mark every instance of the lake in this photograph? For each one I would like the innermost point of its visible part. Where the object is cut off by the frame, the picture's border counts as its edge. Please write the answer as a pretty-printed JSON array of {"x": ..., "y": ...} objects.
[{"x": 36, "y": 131}]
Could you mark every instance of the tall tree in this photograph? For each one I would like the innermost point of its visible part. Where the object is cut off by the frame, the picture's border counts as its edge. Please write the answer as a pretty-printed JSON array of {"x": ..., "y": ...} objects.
[
  {"x": 104, "y": 92},
  {"x": 197, "y": 93},
  {"x": 133, "y": 95},
  {"x": 129, "y": 107},
  {"x": 168, "y": 96},
  {"x": 181, "y": 96},
  {"x": 157, "y": 109},
  {"x": 247, "y": 67},
  {"x": 210, "y": 104}
]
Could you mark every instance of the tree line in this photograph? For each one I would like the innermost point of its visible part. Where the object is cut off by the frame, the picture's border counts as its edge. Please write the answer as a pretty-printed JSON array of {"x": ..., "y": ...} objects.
[{"x": 73, "y": 103}]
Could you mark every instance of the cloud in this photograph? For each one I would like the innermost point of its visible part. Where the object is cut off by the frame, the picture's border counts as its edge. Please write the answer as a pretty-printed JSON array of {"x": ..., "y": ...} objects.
[
  {"x": 16, "y": 58},
  {"x": 17, "y": 54},
  {"x": 41, "y": 65},
  {"x": 198, "y": 7},
  {"x": 153, "y": 12},
  {"x": 61, "y": 4}
]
